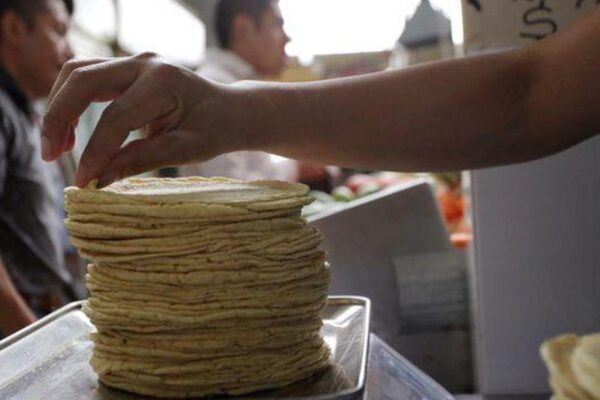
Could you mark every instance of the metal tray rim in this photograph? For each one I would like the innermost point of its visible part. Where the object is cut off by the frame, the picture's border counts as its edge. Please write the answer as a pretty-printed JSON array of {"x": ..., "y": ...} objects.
[
  {"x": 39, "y": 324},
  {"x": 341, "y": 300},
  {"x": 366, "y": 303}
]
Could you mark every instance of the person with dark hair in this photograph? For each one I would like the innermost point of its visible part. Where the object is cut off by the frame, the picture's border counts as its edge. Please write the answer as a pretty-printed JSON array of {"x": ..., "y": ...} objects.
[
  {"x": 252, "y": 46},
  {"x": 33, "y": 276},
  {"x": 252, "y": 41}
]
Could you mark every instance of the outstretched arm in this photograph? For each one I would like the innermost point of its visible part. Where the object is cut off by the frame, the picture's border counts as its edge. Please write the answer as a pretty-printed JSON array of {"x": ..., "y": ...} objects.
[{"x": 459, "y": 114}]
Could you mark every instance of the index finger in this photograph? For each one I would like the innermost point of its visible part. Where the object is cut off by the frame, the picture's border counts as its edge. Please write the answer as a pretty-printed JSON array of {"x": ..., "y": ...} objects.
[
  {"x": 99, "y": 81},
  {"x": 66, "y": 70}
]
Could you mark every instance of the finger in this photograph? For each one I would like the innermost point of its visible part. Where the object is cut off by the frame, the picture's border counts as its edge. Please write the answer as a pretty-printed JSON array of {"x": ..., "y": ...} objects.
[
  {"x": 97, "y": 82},
  {"x": 163, "y": 124},
  {"x": 66, "y": 70},
  {"x": 172, "y": 148},
  {"x": 137, "y": 107}
]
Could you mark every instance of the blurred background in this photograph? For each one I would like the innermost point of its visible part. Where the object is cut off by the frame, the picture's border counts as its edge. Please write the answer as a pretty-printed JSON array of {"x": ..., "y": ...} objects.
[
  {"x": 328, "y": 39},
  {"x": 468, "y": 272}
]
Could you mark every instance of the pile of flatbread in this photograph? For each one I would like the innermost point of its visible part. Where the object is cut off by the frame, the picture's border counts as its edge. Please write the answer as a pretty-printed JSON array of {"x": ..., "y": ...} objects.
[
  {"x": 201, "y": 286},
  {"x": 574, "y": 365}
]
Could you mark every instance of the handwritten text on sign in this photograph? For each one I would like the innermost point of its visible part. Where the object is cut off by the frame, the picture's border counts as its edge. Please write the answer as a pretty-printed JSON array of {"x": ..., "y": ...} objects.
[{"x": 502, "y": 23}]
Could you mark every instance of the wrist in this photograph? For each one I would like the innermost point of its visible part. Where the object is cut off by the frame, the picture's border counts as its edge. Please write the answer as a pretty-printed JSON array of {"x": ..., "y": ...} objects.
[{"x": 252, "y": 115}]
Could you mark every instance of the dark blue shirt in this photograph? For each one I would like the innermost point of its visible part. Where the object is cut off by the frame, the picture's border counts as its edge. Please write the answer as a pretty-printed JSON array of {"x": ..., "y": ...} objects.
[{"x": 30, "y": 227}]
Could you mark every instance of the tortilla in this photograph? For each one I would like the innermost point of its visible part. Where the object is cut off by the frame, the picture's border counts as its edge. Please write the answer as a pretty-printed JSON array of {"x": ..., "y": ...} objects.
[{"x": 201, "y": 286}]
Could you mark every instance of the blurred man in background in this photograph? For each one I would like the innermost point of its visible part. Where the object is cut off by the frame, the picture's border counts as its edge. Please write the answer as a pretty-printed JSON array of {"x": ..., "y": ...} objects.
[
  {"x": 252, "y": 42},
  {"x": 34, "y": 279},
  {"x": 252, "y": 47}
]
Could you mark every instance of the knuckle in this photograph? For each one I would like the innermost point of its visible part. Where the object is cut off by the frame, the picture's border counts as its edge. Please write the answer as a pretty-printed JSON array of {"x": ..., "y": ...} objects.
[
  {"x": 79, "y": 74},
  {"x": 164, "y": 70},
  {"x": 116, "y": 112},
  {"x": 156, "y": 66},
  {"x": 120, "y": 116},
  {"x": 73, "y": 64},
  {"x": 146, "y": 55}
]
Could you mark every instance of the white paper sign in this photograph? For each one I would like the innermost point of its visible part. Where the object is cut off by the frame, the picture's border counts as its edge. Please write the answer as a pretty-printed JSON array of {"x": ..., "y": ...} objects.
[{"x": 490, "y": 24}]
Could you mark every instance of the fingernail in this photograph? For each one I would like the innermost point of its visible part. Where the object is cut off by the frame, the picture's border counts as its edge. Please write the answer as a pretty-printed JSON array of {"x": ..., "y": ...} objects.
[{"x": 46, "y": 148}]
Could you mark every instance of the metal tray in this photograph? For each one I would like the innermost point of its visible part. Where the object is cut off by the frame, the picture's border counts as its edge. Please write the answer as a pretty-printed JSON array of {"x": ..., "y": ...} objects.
[{"x": 49, "y": 359}]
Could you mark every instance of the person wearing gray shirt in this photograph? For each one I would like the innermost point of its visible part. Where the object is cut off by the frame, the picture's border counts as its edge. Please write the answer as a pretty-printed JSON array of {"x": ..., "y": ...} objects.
[{"x": 33, "y": 277}]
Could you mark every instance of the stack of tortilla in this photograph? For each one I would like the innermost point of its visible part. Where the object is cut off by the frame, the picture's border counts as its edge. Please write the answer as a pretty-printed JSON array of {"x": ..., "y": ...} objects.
[
  {"x": 201, "y": 286},
  {"x": 574, "y": 366}
]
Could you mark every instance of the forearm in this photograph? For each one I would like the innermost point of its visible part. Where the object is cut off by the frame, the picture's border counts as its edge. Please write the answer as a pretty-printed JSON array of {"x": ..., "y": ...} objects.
[
  {"x": 14, "y": 312},
  {"x": 432, "y": 117},
  {"x": 564, "y": 100},
  {"x": 459, "y": 114}
]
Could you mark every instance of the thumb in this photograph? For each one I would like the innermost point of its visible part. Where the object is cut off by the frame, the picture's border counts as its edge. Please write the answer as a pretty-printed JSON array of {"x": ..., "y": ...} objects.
[{"x": 163, "y": 150}]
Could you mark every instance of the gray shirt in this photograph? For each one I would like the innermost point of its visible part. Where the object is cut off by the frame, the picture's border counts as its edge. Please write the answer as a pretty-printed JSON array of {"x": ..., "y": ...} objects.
[{"x": 30, "y": 227}]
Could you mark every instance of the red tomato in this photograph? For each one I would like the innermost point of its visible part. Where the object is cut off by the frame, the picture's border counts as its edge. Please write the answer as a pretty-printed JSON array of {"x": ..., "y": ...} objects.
[
  {"x": 452, "y": 206},
  {"x": 356, "y": 181}
]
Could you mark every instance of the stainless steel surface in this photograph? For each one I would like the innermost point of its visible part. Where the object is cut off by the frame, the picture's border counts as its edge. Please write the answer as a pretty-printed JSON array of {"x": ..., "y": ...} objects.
[
  {"x": 377, "y": 246},
  {"x": 364, "y": 237},
  {"x": 392, "y": 377},
  {"x": 49, "y": 360}
]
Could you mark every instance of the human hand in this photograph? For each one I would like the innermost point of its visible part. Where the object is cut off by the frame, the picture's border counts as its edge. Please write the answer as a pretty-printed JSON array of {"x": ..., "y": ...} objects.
[{"x": 185, "y": 118}]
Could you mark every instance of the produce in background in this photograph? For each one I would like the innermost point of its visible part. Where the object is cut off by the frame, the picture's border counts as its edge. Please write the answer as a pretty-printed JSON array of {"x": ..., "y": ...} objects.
[
  {"x": 448, "y": 189},
  {"x": 355, "y": 186},
  {"x": 452, "y": 204}
]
